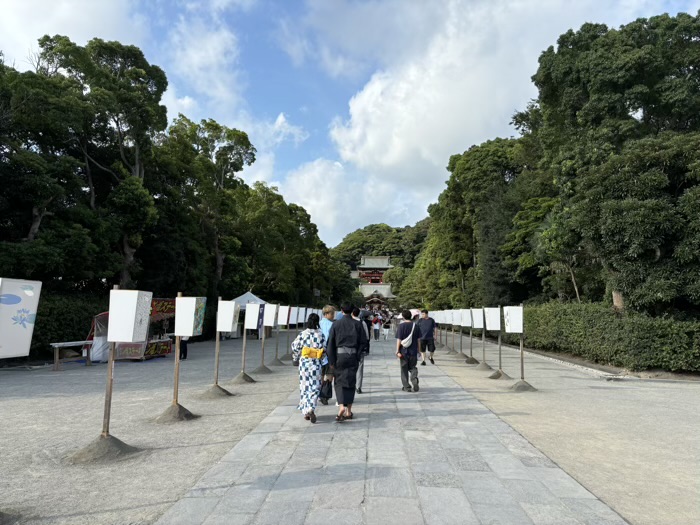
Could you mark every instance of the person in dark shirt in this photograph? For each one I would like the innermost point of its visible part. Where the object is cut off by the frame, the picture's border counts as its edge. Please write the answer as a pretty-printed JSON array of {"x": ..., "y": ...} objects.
[
  {"x": 346, "y": 342},
  {"x": 408, "y": 355},
  {"x": 427, "y": 340}
]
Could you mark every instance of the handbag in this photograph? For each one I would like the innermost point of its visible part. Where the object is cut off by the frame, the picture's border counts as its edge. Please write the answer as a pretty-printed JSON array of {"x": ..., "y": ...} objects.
[
  {"x": 406, "y": 343},
  {"x": 326, "y": 390}
]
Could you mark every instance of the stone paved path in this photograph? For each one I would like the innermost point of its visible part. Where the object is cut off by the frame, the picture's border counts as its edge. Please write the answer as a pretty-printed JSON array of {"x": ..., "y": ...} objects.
[{"x": 437, "y": 456}]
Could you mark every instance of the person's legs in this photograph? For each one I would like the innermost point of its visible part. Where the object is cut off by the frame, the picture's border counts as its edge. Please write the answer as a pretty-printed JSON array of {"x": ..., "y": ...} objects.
[
  {"x": 431, "y": 349},
  {"x": 413, "y": 370},
  {"x": 183, "y": 349},
  {"x": 360, "y": 374},
  {"x": 404, "y": 373}
]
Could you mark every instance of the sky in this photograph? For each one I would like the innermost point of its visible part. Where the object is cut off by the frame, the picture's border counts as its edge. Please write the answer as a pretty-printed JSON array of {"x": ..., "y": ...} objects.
[{"x": 354, "y": 106}]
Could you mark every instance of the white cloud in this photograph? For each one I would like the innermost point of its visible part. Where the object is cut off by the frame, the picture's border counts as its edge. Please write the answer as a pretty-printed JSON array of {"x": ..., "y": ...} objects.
[
  {"x": 23, "y": 23},
  {"x": 341, "y": 200}
]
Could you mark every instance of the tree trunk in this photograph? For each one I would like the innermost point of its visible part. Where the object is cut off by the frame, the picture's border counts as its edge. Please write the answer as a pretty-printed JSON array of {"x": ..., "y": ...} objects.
[
  {"x": 219, "y": 264},
  {"x": 128, "y": 254},
  {"x": 573, "y": 281},
  {"x": 618, "y": 300},
  {"x": 38, "y": 214}
]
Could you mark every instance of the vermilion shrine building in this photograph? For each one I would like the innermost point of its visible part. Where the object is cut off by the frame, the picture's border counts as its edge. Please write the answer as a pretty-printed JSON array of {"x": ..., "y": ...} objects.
[{"x": 370, "y": 272}]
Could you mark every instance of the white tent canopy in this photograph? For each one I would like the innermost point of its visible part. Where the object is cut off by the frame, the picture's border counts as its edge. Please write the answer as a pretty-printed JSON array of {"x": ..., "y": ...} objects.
[{"x": 248, "y": 297}]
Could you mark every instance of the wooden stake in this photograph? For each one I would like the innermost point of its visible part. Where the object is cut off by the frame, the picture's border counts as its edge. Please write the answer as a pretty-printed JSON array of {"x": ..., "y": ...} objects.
[{"x": 110, "y": 386}]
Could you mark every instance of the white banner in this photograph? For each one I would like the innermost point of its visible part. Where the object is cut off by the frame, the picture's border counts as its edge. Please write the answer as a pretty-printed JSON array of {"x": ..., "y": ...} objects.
[
  {"x": 283, "y": 315},
  {"x": 252, "y": 311},
  {"x": 493, "y": 319},
  {"x": 19, "y": 301},
  {"x": 477, "y": 317},
  {"x": 466, "y": 315},
  {"x": 270, "y": 316},
  {"x": 227, "y": 316},
  {"x": 513, "y": 317}
]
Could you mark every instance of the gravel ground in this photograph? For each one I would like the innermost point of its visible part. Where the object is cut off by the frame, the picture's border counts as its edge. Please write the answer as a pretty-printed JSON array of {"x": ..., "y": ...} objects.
[
  {"x": 46, "y": 416},
  {"x": 631, "y": 442}
]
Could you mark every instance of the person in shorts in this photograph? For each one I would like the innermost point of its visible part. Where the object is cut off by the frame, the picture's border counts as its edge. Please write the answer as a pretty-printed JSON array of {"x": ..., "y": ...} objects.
[{"x": 427, "y": 330}]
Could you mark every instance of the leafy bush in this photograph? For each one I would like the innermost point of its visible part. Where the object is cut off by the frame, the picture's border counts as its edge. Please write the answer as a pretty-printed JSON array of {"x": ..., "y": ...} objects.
[
  {"x": 64, "y": 318},
  {"x": 599, "y": 334}
]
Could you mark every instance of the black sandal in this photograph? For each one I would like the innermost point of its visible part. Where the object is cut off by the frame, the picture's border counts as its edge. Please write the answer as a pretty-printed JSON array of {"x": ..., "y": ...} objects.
[
  {"x": 349, "y": 416},
  {"x": 339, "y": 418}
]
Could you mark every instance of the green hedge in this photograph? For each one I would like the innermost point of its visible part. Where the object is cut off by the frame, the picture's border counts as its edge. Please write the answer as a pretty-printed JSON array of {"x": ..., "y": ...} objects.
[
  {"x": 64, "y": 318},
  {"x": 598, "y": 333}
]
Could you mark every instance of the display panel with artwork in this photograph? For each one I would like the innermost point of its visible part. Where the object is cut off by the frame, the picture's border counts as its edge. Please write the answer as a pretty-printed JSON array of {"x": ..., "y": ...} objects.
[
  {"x": 513, "y": 317},
  {"x": 477, "y": 318},
  {"x": 466, "y": 317},
  {"x": 129, "y": 316},
  {"x": 19, "y": 301},
  {"x": 493, "y": 319},
  {"x": 227, "y": 316},
  {"x": 189, "y": 316}
]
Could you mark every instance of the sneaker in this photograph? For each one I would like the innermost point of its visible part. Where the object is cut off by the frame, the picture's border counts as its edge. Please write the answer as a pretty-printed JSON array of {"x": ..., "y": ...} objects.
[
  {"x": 422, "y": 363},
  {"x": 432, "y": 361},
  {"x": 416, "y": 388},
  {"x": 406, "y": 388}
]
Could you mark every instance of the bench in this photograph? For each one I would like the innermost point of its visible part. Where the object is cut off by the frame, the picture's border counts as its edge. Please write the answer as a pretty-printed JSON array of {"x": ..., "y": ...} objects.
[{"x": 57, "y": 358}]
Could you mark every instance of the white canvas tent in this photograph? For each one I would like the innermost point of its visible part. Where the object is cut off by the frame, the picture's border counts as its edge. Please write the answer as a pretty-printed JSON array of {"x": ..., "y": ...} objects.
[{"x": 248, "y": 297}]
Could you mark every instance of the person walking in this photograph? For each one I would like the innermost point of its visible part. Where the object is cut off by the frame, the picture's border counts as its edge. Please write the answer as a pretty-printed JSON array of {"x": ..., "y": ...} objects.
[
  {"x": 326, "y": 379},
  {"x": 376, "y": 325},
  {"x": 427, "y": 340},
  {"x": 385, "y": 327},
  {"x": 346, "y": 341},
  {"x": 309, "y": 355},
  {"x": 363, "y": 317},
  {"x": 408, "y": 336}
]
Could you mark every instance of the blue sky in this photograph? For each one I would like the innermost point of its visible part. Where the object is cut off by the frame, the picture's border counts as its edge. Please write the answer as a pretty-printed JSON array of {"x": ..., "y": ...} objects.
[{"x": 354, "y": 105}]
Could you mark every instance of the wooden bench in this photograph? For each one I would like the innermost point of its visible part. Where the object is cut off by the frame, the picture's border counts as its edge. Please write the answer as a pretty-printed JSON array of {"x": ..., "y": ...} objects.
[{"x": 57, "y": 357}]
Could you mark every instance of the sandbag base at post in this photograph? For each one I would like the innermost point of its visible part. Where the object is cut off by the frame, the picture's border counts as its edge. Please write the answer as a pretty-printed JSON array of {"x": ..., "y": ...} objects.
[
  {"x": 174, "y": 413},
  {"x": 262, "y": 369},
  {"x": 452, "y": 352},
  {"x": 500, "y": 374},
  {"x": 286, "y": 357},
  {"x": 276, "y": 362},
  {"x": 215, "y": 392},
  {"x": 523, "y": 386},
  {"x": 471, "y": 360},
  {"x": 242, "y": 379},
  {"x": 104, "y": 448},
  {"x": 483, "y": 366}
]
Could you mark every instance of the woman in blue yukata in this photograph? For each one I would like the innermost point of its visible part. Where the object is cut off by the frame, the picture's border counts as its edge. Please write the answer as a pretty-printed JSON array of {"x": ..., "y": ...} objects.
[{"x": 308, "y": 352}]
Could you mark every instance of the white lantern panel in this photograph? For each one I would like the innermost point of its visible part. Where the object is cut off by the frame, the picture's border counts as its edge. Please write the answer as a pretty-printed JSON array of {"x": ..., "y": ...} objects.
[
  {"x": 270, "y": 316},
  {"x": 189, "y": 316},
  {"x": 513, "y": 317},
  {"x": 466, "y": 317},
  {"x": 252, "y": 312},
  {"x": 477, "y": 318},
  {"x": 129, "y": 316},
  {"x": 227, "y": 316},
  {"x": 493, "y": 319},
  {"x": 457, "y": 317},
  {"x": 19, "y": 301},
  {"x": 301, "y": 316},
  {"x": 283, "y": 316}
]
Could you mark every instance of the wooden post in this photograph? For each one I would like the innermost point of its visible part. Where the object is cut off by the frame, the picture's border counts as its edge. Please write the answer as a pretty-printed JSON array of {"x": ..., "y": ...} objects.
[
  {"x": 218, "y": 350},
  {"x": 522, "y": 385},
  {"x": 109, "y": 388},
  {"x": 522, "y": 358},
  {"x": 245, "y": 340},
  {"x": 176, "y": 380}
]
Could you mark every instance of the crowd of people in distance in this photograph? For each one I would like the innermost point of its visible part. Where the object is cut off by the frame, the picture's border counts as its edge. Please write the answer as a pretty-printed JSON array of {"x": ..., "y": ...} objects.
[{"x": 330, "y": 352}]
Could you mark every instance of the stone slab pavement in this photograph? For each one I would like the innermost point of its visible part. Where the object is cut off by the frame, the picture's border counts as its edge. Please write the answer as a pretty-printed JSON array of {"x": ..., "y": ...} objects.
[{"x": 437, "y": 456}]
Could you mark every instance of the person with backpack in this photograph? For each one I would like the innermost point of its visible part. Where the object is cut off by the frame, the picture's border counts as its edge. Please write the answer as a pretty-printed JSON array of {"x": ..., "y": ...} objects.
[{"x": 408, "y": 336}]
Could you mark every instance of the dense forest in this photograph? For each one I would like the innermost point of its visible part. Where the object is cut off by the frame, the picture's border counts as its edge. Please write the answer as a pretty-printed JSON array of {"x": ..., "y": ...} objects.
[
  {"x": 97, "y": 189},
  {"x": 596, "y": 200}
]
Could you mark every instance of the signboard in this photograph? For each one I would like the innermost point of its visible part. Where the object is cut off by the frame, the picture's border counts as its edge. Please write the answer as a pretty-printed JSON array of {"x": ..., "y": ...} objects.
[
  {"x": 301, "y": 316},
  {"x": 189, "y": 316},
  {"x": 227, "y": 316},
  {"x": 457, "y": 317},
  {"x": 477, "y": 318},
  {"x": 466, "y": 317},
  {"x": 19, "y": 301},
  {"x": 252, "y": 312},
  {"x": 129, "y": 316},
  {"x": 283, "y": 316},
  {"x": 493, "y": 319},
  {"x": 270, "y": 314},
  {"x": 513, "y": 317},
  {"x": 293, "y": 314}
]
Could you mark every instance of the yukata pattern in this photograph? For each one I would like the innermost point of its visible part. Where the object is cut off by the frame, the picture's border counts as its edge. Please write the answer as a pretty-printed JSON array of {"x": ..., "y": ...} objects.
[{"x": 309, "y": 369}]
